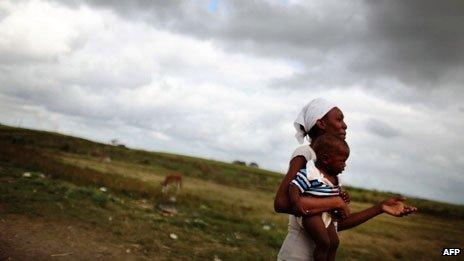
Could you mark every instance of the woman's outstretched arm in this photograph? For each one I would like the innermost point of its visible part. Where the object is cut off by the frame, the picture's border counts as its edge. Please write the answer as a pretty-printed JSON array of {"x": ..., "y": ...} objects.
[
  {"x": 304, "y": 205},
  {"x": 392, "y": 206}
]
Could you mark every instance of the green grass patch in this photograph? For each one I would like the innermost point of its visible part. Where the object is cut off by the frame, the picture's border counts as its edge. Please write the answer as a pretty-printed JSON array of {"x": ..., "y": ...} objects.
[{"x": 223, "y": 210}]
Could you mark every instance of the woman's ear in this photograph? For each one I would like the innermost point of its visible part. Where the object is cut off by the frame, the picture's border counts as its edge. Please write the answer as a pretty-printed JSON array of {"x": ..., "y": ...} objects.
[{"x": 320, "y": 124}]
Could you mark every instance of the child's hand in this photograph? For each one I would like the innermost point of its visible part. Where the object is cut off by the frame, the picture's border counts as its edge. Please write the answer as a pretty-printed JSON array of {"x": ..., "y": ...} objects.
[{"x": 345, "y": 196}]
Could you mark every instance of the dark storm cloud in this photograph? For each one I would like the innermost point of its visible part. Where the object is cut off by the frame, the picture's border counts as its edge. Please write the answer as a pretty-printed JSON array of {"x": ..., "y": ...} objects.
[
  {"x": 254, "y": 26},
  {"x": 381, "y": 129},
  {"x": 165, "y": 13},
  {"x": 416, "y": 43}
]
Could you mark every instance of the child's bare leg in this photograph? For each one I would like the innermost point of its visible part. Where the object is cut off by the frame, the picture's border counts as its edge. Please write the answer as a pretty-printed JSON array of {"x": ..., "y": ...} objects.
[
  {"x": 334, "y": 241},
  {"x": 316, "y": 229}
]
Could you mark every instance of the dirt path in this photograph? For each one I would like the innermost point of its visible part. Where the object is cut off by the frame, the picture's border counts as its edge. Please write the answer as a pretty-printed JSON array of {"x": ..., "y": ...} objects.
[{"x": 23, "y": 238}]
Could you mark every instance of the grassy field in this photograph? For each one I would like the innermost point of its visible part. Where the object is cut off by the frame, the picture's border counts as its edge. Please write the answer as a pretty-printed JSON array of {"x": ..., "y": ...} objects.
[{"x": 60, "y": 212}]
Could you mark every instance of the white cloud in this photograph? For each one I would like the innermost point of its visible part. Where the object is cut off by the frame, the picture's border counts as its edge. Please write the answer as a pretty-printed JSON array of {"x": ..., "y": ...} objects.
[
  {"x": 30, "y": 30},
  {"x": 90, "y": 72}
]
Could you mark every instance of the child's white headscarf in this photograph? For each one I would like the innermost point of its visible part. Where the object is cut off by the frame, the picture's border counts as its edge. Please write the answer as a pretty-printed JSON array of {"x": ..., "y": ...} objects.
[{"x": 311, "y": 112}]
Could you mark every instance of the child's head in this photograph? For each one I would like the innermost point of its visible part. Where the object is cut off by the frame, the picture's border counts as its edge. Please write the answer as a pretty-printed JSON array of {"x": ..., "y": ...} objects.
[{"x": 332, "y": 153}]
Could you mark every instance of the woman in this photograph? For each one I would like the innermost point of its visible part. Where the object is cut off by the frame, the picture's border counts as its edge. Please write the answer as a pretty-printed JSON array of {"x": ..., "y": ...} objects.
[{"x": 316, "y": 118}]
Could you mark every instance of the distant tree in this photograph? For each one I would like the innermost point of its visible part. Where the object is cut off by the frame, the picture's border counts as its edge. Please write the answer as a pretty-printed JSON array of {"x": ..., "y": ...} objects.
[
  {"x": 145, "y": 162},
  {"x": 114, "y": 142},
  {"x": 18, "y": 140},
  {"x": 239, "y": 162},
  {"x": 66, "y": 147},
  {"x": 253, "y": 165}
]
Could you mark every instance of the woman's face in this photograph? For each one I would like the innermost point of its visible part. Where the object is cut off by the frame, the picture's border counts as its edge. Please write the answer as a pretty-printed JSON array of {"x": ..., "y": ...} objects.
[{"x": 334, "y": 123}]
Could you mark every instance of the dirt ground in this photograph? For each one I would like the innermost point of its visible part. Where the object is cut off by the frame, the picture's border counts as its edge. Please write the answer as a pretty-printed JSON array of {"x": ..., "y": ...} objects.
[{"x": 23, "y": 238}]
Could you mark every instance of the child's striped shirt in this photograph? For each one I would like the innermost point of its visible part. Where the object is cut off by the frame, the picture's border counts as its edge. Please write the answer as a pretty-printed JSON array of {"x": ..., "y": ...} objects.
[{"x": 311, "y": 181}]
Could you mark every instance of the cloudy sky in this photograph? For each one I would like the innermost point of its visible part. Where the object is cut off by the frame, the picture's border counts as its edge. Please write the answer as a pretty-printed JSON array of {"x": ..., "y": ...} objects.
[{"x": 225, "y": 80}]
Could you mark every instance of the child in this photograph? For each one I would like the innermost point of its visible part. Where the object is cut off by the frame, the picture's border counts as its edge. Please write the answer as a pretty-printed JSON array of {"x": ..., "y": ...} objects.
[{"x": 321, "y": 180}]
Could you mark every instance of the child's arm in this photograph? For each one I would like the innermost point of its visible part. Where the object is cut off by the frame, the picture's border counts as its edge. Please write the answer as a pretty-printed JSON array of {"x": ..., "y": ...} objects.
[{"x": 302, "y": 205}]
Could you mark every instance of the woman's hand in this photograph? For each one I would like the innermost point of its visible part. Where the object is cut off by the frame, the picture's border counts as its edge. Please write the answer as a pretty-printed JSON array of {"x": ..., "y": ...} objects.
[
  {"x": 395, "y": 206},
  {"x": 345, "y": 196},
  {"x": 342, "y": 210},
  {"x": 341, "y": 213}
]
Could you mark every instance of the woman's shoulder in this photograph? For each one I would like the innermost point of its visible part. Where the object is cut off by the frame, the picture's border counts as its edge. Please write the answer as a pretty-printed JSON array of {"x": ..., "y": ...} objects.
[{"x": 305, "y": 151}]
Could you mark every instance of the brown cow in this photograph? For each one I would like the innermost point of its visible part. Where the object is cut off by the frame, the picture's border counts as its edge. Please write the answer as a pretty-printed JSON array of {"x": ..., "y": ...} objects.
[{"x": 172, "y": 180}]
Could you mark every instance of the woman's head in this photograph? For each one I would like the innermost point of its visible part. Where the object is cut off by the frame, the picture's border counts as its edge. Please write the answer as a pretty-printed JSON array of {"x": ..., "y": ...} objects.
[
  {"x": 319, "y": 117},
  {"x": 331, "y": 123}
]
